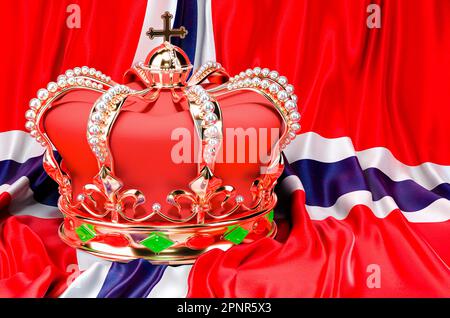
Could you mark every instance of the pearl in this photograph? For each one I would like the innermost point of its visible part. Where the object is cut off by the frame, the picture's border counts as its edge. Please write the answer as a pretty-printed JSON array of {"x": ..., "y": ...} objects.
[
  {"x": 229, "y": 86},
  {"x": 102, "y": 106},
  {"x": 70, "y": 73},
  {"x": 71, "y": 81},
  {"x": 85, "y": 70},
  {"x": 30, "y": 114},
  {"x": 240, "y": 83},
  {"x": 257, "y": 70},
  {"x": 107, "y": 97},
  {"x": 292, "y": 135},
  {"x": 80, "y": 198},
  {"x": 273, "y": 75},
  {"x": 94, "y": 129},
  {"x": 256, "y": 81},
  {"x": 265, "y": 84},
  {"x": 295, "y": 126},
  {"x": 62, "y": 82},
  {"x": 210, "y": 118},
  {"x": 249, "y": 72},
  {"x": 294, "y": 98},
  {"x": 198, "y": 89},
  {"x": 290, "y": 89},
  {"x": 213, "y": 142},
  {"x": 80, "y": 81},
  {"x": 42, "y": 94},
  {"x": 88, "y": 83},
  {"x": 204, "y": 97},
  {"x": 61, "y": 77},
  {"x": 98, "y": 74},
  {"x": 290, "y": 105},
  {"x": 93, "y": 140},
  {"x": 29, "y": 125},
  {"x": 35, "y": 103},
  {"x": 208, "y": 157},
  {"x": 242, "y": 74},
  {"x": 117, "y": 89},
  {"x": 52, "y": 87},
  {"x": 208, "y": 107},
  {"x": 282, "y": 80},
  {"x": 92, "y": 71},
  {"x": 282, "y": 95},
  {"x": 295, "y": 116},
  {"x": 97, "y": 117},
  {"x": 211, "y": 132},
  {"x": 265, "y": 71},
  {"x": 99, "y": 86},
  {"x": 239, "y": 199},
  {"x": 247, "y": 82},
  {"x": 156, "y": 207},
  {"x": 34, "y": 133},
  {"x": 77, "y": 70},
  {"x": 273, "y": 88},
  {"x": 108, "y": 79}
]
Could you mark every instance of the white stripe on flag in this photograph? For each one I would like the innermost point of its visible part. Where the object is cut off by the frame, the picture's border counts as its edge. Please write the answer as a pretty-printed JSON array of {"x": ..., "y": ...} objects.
[
  {"x": 19, "y": 146},
  {"x": 153, "y": 12},
  {"x": 86, "y": 260},
  {"x": 313, "y": 146},
  {"x": 89, "y": 283},
  {"x": 205, "y": 48},
  {"x": 173, "y": 284}
]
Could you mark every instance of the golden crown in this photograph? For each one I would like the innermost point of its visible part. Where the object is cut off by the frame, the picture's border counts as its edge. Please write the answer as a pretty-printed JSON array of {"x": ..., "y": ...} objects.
[{"x": 107, "y": 218}]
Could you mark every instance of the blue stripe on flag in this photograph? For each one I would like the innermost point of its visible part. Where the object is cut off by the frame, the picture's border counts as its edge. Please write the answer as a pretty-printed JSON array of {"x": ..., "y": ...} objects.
[
  {"x": 44, "y": 188},
  {"x": 324, "y": 183},
  {"x": 131, "y": 280},
  {"x": 186, "y": 15}
]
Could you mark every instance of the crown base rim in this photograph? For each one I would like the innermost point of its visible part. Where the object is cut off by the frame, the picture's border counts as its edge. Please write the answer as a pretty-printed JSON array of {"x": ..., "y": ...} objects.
[
  {"x": 175, "y": 245},
  {"x": 177, "y": 256}
]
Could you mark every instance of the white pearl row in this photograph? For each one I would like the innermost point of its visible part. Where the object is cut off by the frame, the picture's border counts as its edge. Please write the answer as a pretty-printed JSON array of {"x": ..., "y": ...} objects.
[
  {"x": 210, "y": 120},
  {"x": 79, "y": 77},
  {"x": 278, "y": 88},
  {"x": 204, "y": 70},
  {"x": 101, "y": 115}
]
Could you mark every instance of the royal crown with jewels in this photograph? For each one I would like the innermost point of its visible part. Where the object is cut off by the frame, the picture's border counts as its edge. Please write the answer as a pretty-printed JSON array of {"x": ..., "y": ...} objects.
[{"x": 113, "y": 165}]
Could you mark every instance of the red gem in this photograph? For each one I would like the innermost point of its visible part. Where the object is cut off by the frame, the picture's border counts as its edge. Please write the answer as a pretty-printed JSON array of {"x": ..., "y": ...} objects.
[
  {"x": 115, "y": 240},
  {"x": 261, "y": 226},
  {"x": 200, "y": 241}
]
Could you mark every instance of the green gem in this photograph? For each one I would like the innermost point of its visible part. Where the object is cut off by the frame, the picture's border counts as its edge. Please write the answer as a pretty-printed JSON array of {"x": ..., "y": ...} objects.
[
  {"x": 270, "y": 216},
  {"x": 85, "y": 232},
  {"x": 235, "y": 234},
  {"x": 157, "y": 242}
]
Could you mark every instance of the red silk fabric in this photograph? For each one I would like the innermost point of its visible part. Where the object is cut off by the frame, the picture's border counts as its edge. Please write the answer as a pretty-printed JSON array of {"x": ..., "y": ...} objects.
[
  {"x": 384, "y": 87},
  {"x": 38, "y": 46},
  {"x": 330, "y": 258},
  {"x": 34, "y": 262}
]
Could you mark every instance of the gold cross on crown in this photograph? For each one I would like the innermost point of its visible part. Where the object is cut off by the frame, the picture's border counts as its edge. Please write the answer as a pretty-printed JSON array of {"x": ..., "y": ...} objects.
[{"x": 167, "y": 32}]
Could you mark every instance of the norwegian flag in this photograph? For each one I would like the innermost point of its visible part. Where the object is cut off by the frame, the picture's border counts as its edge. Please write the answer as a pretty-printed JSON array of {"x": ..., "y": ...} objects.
[{"x": 364, "y": 200}]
